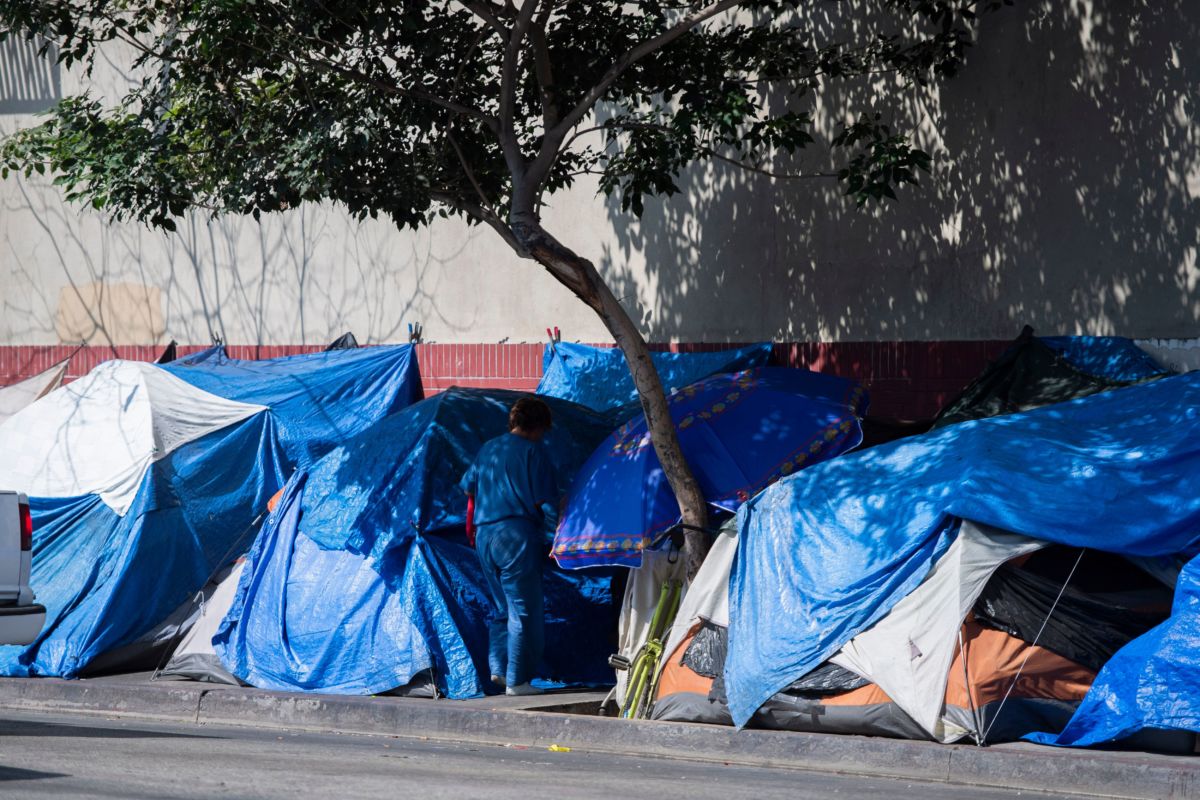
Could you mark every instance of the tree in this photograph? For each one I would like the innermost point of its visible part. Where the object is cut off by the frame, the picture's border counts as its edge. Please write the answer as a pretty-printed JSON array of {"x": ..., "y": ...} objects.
[{"x": 428, "y": 108}]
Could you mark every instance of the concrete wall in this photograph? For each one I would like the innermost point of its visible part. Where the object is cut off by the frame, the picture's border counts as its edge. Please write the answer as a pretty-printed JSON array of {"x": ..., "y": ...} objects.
[{"x": 1064, "y": 196}]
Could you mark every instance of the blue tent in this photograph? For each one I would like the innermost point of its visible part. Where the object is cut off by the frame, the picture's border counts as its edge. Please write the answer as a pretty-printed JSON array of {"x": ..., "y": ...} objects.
[
  {"x": 841, "y": 543},
  {"x": 313, "y": 620},
  {"x": 401, "y": 476},
  {"x": 738, "y": 431},
  {"x": 107, "y": 575},
  {"x": 361, "y": 578},
  {"x": 598, "y": 377},
  {"x": 365, "y": 385}
]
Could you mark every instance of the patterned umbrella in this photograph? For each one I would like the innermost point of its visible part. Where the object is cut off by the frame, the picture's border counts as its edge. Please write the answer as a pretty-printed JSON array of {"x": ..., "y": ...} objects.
[{"x": 739, "y": 432}]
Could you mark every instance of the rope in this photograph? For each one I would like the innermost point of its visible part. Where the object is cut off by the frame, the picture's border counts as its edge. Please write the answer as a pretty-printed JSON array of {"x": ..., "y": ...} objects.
[{"x": 1032, "y": 644}]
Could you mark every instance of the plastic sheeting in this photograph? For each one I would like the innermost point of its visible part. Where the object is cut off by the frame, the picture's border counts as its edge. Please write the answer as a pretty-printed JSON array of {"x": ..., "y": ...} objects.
[
  {"x": 1114, "y": 358},
  {"x": 314, "y": 620},
  {"x": 1030, "y": 374},
  {"x": 828, "y": 552},
  {"x": 598, "y": 377},
  {"x": 376, "y": 491},
  {"x": 106, "y": 579},
  {"x": 366, "y": 385},
  {"x": 17, "y": 396},
  {"x": 100, "y": 434},
  {"x": 1151, "y": 683}
]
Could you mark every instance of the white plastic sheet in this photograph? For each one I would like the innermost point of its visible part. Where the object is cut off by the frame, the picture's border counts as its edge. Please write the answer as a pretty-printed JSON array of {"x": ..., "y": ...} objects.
[
  {"x": 17, "y": 396},
  {"x": 100, "y": 434}
]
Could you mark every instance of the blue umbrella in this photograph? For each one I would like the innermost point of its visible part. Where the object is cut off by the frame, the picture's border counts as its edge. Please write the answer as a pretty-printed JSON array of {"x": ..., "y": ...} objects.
[{"x": 739, "y": 432}]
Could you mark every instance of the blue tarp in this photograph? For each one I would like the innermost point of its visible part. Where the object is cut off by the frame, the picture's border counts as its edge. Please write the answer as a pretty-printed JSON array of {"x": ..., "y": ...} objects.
[
  {"x": 827, "y": 552},
  {"x": 1152, "y": 682},
  {"x": 107, "y": 579},
  {"x": 364, "y": 385},
  {"x": 389, "y": 599},
  {"x": 598, "y": 377},
  {"x": 375, "y": 491},
  {"x": 1112, "y": 357}
]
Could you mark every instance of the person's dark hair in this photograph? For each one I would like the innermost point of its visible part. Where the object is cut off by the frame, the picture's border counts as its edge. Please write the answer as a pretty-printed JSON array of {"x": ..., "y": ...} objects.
[{"x": 529, "y": 414}]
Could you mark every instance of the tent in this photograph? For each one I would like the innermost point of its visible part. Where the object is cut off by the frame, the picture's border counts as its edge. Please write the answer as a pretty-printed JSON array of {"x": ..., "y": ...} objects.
[
  {"x": 971, "y": 641},
  {"x": 361, "y": 579},
  {"x": 17, "y": 395},
  {"x": 1110, "y": 472},
  {"x": 598, "y": 377},
  {"x": 193, "y": 656},
  {"x": 366, "y": 384},
  {"x": 1177, "y": 355},
  {"x": 920, "y": 528},
  {"x": 142, "y": 485}
]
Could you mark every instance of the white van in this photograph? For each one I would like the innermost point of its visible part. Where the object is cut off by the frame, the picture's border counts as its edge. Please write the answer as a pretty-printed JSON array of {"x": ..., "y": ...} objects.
[{"x": 21, "y": 619}]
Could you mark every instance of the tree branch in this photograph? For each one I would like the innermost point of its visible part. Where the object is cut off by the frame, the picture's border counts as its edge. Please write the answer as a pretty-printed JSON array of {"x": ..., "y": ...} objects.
[
  {"x": 481, "y": 214},
  {"x": 508, "y": 90},
  {"x": 543, "y": 69},
  {"x": 487, "y": 12},
  {"x": 552, "y": 141}
]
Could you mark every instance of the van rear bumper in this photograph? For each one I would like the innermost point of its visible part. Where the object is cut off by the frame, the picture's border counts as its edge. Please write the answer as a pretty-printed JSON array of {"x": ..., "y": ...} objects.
[{"x": 21, "y": 624}]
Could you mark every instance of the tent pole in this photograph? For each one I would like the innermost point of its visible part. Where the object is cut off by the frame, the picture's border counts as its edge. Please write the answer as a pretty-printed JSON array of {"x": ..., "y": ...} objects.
[
  {"x": 1033, "y": 644},
  {"x": 962, "y": 654}
]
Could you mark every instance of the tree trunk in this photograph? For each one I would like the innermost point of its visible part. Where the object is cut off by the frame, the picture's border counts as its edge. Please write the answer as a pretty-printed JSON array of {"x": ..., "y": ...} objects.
[{"x": 581, "y": 277}]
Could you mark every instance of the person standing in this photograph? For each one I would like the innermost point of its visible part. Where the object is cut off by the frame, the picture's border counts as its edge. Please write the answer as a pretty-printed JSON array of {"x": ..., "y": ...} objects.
[{"x": 512, "y": 497}]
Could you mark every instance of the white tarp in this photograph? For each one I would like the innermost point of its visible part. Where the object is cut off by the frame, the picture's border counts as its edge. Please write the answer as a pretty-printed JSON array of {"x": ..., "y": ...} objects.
[
  {"x": 908, "y": 653},
  {"x": 100, "y": 434},
  {"x": 17, "y": 396},
  {"x": 195, "y": 657},
  {"x": 708, "y": 596}
]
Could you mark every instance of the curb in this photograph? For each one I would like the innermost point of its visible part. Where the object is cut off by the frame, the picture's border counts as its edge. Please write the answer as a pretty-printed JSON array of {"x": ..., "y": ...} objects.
[{"x": 1137, "y": 776}]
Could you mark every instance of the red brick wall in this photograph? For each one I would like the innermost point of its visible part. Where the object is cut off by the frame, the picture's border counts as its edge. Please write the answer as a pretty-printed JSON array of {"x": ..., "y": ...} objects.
[{"x": 907, "y": 380}]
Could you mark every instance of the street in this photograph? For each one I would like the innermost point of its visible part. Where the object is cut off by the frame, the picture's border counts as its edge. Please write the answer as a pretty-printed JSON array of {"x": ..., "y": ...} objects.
[{"x": 44, "y": 755}]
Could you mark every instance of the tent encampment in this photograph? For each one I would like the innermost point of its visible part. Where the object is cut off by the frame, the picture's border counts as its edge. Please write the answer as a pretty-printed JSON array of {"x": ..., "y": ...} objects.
[
  {"x": 380, "y": 518},
  {"x": 1110, "y": 472},
  {"x": 947, "y": 601},
  {"x": 143, "y": 484}
]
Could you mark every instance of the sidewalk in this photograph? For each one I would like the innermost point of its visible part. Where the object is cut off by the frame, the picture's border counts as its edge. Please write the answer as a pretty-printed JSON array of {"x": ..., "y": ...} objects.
[{"x": 562, "y": 719}]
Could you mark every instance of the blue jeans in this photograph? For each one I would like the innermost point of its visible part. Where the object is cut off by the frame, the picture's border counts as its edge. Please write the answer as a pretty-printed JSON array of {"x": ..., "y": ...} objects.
[{"x": 511, "y": 552}]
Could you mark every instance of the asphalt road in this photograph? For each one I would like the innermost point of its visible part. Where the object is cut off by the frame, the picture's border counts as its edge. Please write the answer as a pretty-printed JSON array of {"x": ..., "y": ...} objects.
[{"x": 45, "y": 755}]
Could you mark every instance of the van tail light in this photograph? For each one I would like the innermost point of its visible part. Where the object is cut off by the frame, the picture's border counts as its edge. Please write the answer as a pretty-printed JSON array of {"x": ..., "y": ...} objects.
[{"x": 26, "y": 527}]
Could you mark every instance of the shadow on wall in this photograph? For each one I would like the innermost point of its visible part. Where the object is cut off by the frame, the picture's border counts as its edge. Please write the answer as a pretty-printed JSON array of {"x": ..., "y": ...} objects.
[
  {"x": 1064, "y": 196},
  {"x": 70, "y": 275},
  {"x": 28, "y": 83}
]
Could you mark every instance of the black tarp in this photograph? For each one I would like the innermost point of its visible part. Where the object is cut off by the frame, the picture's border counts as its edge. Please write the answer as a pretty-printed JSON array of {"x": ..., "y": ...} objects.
[
  {"x": 1028, "y": 375},
  {"x": 1086, "y": 627},
  {"x": 344, "y": 342},
  {"x": 169, "y": 353}
]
